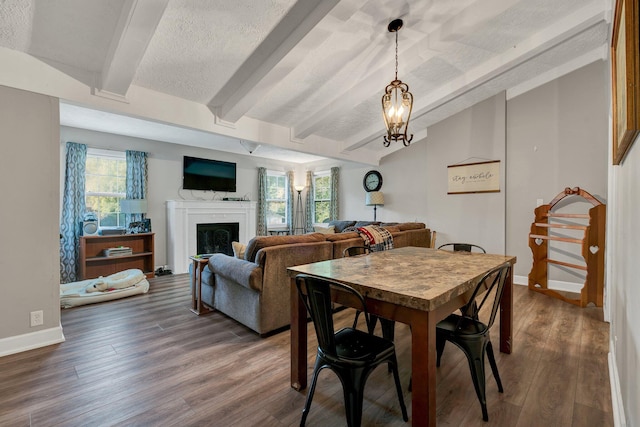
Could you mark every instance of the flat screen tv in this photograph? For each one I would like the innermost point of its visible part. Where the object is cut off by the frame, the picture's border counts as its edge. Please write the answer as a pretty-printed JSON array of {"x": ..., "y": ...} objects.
[{"x": 208, "y": 175}]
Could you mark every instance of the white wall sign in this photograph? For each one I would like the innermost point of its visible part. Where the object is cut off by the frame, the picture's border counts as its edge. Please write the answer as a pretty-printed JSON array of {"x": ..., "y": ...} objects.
[{"x": 483, "y": 177}]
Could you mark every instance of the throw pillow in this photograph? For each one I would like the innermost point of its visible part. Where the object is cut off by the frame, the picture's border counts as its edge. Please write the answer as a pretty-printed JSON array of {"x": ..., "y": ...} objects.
[
  {"x": 238, "y": 249},
  {"x": 324, "y": 230}
]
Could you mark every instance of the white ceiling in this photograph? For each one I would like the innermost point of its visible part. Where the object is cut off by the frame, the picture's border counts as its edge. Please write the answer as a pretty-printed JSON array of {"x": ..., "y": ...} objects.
[{"x": 315, "y": 69}]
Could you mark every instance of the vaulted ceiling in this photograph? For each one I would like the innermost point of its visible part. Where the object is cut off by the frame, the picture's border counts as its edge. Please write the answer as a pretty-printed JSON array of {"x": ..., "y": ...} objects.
[{"x": 303, "y": 79}]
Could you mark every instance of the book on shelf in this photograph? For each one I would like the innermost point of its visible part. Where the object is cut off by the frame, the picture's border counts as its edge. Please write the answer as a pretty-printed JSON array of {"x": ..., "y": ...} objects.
[{"x": 119, "y": 251}]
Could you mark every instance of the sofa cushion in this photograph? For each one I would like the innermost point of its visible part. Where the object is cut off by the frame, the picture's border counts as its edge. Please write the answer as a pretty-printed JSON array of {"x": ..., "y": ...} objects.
[
  {"x": 238, "y": 249},
  {"x": 324, "y": 230},
  {"x": 342, "y": 236},
  {"x": 341, "y": 225},
  {"x": 360, "y": 224},
  {"x": 260, "y": 242},
  {"x": 391, "y": 228}
]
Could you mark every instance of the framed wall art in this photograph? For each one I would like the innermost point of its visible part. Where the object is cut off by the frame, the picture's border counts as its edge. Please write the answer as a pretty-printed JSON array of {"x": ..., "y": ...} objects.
[
  {"x": 625, "y": 77},
  {"x": 482, "y": 177}
]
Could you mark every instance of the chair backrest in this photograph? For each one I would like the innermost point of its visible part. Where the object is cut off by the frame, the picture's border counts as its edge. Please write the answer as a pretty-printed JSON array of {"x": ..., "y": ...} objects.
[
  {"x": 316, "y": 295},
  {"x": 462, "y": 247},
  {"x": 355, "y": 250},
  {"x": 490, "y": 286}
]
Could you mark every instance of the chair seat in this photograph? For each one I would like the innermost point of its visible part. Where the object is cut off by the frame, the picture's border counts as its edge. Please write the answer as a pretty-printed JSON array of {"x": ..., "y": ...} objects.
[
  {"x": 355, "y": 345},
  {"x": 461, "y": 326}
]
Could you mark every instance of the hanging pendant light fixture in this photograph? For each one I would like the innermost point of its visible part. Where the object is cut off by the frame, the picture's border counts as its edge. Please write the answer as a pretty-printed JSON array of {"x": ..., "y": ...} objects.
[{"x": 397, "y": 102}]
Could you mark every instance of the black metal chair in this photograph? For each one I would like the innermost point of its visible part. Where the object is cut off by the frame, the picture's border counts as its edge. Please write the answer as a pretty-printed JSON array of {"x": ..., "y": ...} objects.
[
  {"x": 462, "y": 247},
  {"x": 471, "y": 334},
  {"x": 387, "y": 326},
  {"x": 350, "y": 353}
]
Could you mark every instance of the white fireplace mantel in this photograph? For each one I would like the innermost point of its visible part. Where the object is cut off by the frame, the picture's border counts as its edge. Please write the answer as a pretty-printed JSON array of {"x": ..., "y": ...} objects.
[{"x": 183, "y": 216}]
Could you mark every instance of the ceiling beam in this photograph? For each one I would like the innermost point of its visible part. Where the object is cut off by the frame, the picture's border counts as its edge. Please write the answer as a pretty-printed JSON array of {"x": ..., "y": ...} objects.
[
  {"x": 244, "y": 89},
  {"x": 538, "y": 43},
  {"x": 137, "y": 24}
]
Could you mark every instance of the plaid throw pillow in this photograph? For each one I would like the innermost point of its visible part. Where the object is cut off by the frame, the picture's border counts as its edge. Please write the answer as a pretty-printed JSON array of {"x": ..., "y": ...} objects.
[{"x": 377, "y": 238}]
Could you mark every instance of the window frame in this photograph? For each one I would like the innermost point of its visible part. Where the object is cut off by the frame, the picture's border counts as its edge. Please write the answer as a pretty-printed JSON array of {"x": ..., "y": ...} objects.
[
  {"x": 285, "y": 199},
  {"x": 110, "y": 155},
  {"x": 316, "y": 175}
]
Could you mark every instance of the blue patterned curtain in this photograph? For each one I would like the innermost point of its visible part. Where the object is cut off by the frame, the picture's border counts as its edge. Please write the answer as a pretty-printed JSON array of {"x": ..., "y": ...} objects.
[
  {"x": 262, "y": 202},
  {"x": 290, "y": 199},
  {"x": 333, "y": 204},
  {"x": 73, "y": 210},
  {"x": 311, "y": 214},
  {"x": 136, "y": 180}
]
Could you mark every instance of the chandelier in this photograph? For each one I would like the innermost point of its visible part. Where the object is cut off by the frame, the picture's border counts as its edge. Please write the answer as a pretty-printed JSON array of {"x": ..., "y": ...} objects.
[{"x": 397, "y": 102}]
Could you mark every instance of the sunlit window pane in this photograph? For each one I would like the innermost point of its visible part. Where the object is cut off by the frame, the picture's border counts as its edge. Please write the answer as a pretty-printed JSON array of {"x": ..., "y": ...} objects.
[{"x": 105, "y": 185}]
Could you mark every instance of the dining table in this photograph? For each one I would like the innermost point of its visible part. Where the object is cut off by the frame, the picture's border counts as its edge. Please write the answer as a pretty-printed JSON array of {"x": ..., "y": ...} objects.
[{"x": 413, "y": 285}]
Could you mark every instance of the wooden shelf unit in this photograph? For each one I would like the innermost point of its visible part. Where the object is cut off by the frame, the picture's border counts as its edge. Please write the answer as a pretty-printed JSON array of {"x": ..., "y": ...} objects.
[
  {"x": 94, "y": 264},
  {"x": 591, "y": 246}
]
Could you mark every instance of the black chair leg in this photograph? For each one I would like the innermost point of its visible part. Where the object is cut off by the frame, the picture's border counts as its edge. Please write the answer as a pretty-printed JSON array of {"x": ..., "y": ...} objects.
[
  {"x": 396, "y": 378},
  {"x": 440, "y": 342},
  {"x": 475, "y": 357},
  {"x": 494, "y": 367},
  {"x": 354, "y": 396},
  {"x": 312, "y": 388}
]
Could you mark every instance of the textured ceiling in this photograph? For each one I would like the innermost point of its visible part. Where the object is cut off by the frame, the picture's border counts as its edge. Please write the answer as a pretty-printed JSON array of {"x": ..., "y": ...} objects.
[{"x": 316, "y": 68}]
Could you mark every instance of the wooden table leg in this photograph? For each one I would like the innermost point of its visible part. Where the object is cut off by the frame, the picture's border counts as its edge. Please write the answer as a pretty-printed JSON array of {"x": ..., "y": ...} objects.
[
  {"x": 423, "y": 369},
  {"x": 506, "y": 315},
  {"x": 298, "y": 340}
]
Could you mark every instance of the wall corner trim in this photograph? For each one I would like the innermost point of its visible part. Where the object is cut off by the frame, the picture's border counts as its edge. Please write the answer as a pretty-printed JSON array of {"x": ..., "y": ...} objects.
[{"x": 617, "y": 405}]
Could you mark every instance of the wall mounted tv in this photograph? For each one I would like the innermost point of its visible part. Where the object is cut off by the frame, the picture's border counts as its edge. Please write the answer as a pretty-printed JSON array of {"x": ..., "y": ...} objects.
[{"x": 208, "y": 175}]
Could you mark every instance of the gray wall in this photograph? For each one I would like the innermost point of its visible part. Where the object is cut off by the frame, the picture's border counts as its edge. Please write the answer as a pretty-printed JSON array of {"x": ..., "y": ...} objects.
[
  {"x": 29, "y": 222},
  {"x": 624, "y": 289},
  {"x": 557, "y": 137}
]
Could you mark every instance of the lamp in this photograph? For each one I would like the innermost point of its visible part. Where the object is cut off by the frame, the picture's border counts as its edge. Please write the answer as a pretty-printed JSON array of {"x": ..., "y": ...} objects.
[
  {"x": 298, "y": 218},
  {"x": 133, "y": 206},
  {"x": 397, "y": 101},
  {"x": 375, "y": 199}
]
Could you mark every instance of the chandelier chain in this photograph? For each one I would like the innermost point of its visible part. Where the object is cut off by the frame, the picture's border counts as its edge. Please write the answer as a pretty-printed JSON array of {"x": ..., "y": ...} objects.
[{"x": 396, "y": 55}]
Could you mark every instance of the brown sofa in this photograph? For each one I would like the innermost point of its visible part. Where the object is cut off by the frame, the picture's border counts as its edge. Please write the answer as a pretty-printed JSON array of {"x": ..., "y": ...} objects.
[{"x": 255, "y": 290}]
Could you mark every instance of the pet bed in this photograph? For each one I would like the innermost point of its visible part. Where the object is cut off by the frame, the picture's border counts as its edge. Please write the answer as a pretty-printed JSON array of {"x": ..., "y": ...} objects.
[{"x": 119, "y": 285}]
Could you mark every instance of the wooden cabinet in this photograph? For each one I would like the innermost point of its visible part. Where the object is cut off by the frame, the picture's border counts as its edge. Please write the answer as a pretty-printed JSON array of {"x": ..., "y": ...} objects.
[{"x": 94, "y": 263}]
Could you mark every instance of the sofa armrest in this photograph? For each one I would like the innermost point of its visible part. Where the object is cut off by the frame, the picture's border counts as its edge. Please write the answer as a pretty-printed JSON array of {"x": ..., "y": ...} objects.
[{"x": 245, "y": 273}]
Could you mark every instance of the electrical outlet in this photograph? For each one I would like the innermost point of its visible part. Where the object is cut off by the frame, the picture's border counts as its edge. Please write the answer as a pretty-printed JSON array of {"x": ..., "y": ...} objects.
[{"x": 37, "y": 318}]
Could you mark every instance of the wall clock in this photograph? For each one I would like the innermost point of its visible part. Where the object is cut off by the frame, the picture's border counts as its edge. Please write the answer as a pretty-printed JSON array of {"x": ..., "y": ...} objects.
[{"x": 372, "y": 181}]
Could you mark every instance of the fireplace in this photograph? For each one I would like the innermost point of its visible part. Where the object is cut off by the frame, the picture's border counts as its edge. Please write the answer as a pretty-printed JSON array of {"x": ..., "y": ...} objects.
[
  {"x": 217, "y": 237},
  {"x": 184, "y": 216}
]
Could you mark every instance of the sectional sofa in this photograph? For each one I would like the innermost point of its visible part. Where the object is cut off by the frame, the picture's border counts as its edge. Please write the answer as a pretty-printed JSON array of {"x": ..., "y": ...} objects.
[{"x": 255, "y": 289}]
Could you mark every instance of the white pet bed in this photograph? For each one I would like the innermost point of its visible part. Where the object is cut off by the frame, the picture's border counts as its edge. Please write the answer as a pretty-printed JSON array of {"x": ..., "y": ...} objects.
[{"x": 118, "y": 285}]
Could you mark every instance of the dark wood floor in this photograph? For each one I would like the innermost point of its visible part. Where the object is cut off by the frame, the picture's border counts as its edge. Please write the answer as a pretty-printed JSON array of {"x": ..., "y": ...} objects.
[{"x": 148, "y": 361}]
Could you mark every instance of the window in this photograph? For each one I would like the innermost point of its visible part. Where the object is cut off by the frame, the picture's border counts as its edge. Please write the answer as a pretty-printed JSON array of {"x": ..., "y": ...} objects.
[
  {"x": 276, "y": 199},
  {"x": 106, "y": 174},
  {"x": 321, "y": 196}
]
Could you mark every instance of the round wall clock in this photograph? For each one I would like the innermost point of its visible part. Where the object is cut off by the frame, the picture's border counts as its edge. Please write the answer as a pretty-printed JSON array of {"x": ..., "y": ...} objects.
[{"x": 372, "y": 181}]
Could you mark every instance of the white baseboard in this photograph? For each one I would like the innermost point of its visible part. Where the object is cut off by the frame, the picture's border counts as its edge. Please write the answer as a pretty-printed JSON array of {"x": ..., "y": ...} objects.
[
  {"x": 31, "y": 341},
  {"x": 556, "y": 285},
  {"x": 619, "y": 420}
]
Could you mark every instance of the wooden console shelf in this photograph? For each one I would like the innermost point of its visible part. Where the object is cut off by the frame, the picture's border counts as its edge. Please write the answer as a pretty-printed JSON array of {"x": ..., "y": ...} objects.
[
  {"x": 93, "y": 262},
  {"x": 590, "y": 249}
]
